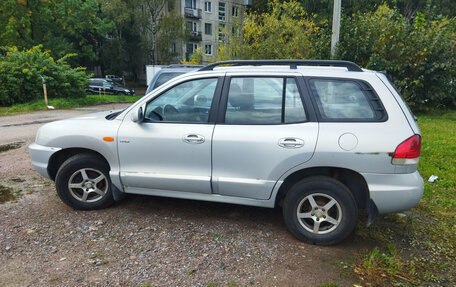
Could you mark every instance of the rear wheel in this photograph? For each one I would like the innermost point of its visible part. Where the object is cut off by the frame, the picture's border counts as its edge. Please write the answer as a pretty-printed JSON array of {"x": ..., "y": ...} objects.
[
  {"x": 320, "y": 210},
  {"x": 83, "y": 182}
]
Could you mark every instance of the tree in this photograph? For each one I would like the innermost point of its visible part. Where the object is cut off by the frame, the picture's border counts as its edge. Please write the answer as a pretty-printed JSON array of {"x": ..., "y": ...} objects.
[
  {"x": 286, "y": 32},
  {"x": 62, "y": 26},
  {"x": 160, "y": 26},
  {"x": 21, "y": 71},
  {"x": 120, "y": 51},
  {"x": 170, "y": 29},
  {"x": 419, "y": 55}
]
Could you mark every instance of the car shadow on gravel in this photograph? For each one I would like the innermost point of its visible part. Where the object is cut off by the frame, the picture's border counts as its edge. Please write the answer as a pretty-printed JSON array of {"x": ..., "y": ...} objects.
[{"x": 194, "y": 209}]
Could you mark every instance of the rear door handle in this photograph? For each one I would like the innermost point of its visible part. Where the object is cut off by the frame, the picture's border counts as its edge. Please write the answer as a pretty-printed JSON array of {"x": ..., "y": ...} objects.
[
  {"x": 193, "y": 139},
  {"x": 291, "y": 143}
]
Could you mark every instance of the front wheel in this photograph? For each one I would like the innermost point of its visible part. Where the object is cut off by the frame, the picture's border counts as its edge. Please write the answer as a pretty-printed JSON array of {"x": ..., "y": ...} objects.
[
  {"x": 83, "y": 182},
  {"x": 320, "y": 210}
]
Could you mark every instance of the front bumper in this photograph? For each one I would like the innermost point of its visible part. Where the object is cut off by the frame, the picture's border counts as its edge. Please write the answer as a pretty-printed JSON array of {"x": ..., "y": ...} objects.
[
  {"x": 394, "y": 192},
  {"x": 40, "y": 156}
]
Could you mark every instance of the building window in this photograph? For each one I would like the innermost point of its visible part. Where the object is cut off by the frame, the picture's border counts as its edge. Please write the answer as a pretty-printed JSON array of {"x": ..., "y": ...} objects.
[
  {"x": 190, "y": 4},
  {"x": 222, "y": 15},
  {"x": 192, "y": 26},
  {"x": 170, "y": 6},
  {"x": 235, "y": 30},
  {"x": 221, "y": 31},
  {"x": 207, "y": 6},
  {"x": 208, "y": 29},
  {"x": 208, "y": 50},
  {"x": 191, "y": 48},
  {"x": 172, "y": 49},
  {"x": 235, "y": 11}
]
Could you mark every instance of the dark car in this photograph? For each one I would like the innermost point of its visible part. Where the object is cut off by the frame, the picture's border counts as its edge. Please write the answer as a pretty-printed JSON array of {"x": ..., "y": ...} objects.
[
  {"x": 168, "y": 73},
  {"x": 107, "y": 86}
]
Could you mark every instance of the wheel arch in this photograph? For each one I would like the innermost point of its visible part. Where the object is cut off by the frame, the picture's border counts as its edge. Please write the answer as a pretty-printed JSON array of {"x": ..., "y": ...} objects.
[
  {"x": 58, "y": 158},
  {"x": 354, "y": 181}
]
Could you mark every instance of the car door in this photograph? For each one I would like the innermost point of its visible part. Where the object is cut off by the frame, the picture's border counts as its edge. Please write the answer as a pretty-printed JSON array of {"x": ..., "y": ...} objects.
[
  {"x": 171, "y": 149},
  {"x": 263, "y": 131}
]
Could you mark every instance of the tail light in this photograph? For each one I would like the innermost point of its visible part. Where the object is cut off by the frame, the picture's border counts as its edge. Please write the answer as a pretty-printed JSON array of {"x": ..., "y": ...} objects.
[{"x": 408, "y": 152}]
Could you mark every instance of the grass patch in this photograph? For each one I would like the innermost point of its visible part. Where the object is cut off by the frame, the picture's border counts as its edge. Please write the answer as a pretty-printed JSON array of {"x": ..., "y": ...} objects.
[
  {"x": 88, "y": 100},
  {"x": 419, "y": 248}
]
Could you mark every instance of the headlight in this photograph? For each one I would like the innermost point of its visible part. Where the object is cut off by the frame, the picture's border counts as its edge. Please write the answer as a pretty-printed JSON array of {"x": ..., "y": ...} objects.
[{"x": 127, "y": 90}]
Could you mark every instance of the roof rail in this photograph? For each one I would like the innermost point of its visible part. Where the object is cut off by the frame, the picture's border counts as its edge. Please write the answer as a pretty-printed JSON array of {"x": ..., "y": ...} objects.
[
  {"x": 293, "y": 64},
  {"x": 184, "y": 66}
]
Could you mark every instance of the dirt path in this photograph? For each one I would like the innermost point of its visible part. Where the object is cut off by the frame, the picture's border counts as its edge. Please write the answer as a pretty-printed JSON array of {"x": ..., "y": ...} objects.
[{"x": 144, "y": 240}]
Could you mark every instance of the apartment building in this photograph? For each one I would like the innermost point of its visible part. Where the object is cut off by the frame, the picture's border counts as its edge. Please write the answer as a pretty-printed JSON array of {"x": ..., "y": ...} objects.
[{"x": 209, "y": 22}]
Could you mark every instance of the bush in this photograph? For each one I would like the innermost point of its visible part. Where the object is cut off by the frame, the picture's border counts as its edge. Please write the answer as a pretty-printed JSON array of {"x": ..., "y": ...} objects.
[
  {"x": 21, "y": 82},
  {"x": 418, "y": 54}
]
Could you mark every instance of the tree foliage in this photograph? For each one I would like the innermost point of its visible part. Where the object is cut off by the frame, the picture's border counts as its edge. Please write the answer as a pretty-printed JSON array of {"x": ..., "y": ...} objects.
[
  {"x": 21, "y": 71},
  {"x": 62, "y": 26},
  {"x": 286, "y": 32},
  {"x": 120, "y": 53},
  {"x": 160, "y": 26},
  {"x": 418, "y": 54}
]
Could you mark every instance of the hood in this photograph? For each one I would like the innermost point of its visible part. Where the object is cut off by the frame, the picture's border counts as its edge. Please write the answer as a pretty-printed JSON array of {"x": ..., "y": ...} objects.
[
  {"x": 93, "y": 116},
  {"x": 80, "y": 127}
]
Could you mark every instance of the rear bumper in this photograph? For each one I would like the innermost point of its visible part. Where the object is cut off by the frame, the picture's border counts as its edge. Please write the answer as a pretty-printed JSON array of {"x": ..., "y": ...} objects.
[
  {"x": 40, "y": 156},
  {"x": 394, "y": 192}
]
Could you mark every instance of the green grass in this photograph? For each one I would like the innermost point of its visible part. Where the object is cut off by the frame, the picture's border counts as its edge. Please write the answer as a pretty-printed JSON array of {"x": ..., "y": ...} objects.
[
  {"x": 68, "y": 103},
  {"x": 419, "y": 249}
]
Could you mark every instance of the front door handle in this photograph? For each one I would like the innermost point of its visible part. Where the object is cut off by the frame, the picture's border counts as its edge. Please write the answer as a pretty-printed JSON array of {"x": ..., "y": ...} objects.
[
  {"x": 193, "y": 139},
  {"x": 291, "y": 143}
]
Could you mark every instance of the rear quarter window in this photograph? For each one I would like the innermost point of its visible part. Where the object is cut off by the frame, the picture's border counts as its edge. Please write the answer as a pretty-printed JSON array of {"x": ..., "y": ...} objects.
[{"x": 346, "y": 100}]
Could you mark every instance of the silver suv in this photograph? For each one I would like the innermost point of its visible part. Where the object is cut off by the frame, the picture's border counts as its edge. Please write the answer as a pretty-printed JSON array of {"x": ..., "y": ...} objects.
[{"x": 322, "y": 139}]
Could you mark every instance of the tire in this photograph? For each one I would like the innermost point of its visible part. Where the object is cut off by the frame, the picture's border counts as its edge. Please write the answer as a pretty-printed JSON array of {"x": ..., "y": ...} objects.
[
  {"x": 308, "y": 220},
  {"x": 83, "y": 182}
]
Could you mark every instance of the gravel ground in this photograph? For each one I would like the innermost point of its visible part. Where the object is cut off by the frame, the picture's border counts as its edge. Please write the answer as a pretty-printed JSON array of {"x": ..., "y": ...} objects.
[{"x": 145, "y": 241}]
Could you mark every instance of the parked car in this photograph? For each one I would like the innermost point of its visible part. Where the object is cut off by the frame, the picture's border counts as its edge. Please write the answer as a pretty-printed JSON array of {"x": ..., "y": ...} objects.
[
  {"x": 322, "y": 139},
  {"x": 97, "y": 85},
  {"x": 168, "y": 73},
  {"x": 114, "y": 78}
]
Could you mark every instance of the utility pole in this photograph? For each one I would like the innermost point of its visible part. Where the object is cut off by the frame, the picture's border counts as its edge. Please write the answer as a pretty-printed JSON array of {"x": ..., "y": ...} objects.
[{"x": 335, "y": 27}]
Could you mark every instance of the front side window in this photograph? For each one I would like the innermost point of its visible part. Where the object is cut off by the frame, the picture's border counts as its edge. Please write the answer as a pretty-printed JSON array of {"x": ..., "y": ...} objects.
[
  {"x": 187, "y": 102},
  {"x": 264, "y": 101},
  {"x": 341, "y": 100},
  {"x": 107, "y": 84}
]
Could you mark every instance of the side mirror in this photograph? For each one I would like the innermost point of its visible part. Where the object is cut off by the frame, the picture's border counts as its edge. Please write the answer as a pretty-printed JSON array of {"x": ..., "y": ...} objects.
[
  {"x": 137, "y": 116},
  {"x": 200, "y": 100}
]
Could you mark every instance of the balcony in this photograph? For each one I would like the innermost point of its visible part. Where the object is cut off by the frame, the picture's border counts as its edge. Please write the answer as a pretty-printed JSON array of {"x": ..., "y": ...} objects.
[
  {"x": 195, "y": 36},
  {"x": 192, "y": 13}
]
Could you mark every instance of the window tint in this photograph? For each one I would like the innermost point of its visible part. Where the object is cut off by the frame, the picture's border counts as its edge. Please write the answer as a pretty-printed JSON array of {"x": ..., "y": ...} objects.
[
  {"x": 260, "y": 100},
  {"x": 188, "y": 102},
  {"x": 341, "y": 99}
]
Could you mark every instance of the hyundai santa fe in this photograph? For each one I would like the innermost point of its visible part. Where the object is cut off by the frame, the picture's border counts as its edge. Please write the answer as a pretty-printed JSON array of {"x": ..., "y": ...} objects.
[{"x": 322, "y": 139}]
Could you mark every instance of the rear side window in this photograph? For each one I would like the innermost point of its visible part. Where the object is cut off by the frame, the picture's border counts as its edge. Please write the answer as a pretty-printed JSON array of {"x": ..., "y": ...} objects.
[
  {"x": 264, "y": 100},
  {"x": 346, "y": 100}
]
